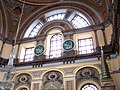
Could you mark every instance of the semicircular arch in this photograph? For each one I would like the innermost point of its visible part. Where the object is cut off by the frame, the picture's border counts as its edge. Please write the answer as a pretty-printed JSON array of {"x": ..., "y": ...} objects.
[
  {"x": 75, "y": 6},
  {"x": 86, "y": 66},
  {"x": 18, "y": 74},
  {"x": 57, "y": 70}
]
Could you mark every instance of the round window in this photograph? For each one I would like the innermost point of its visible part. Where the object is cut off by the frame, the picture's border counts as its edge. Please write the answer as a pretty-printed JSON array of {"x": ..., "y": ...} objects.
[{"x": 89, "y": 87}]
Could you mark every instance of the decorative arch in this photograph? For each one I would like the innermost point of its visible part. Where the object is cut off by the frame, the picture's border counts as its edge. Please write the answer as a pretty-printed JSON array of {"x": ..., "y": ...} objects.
[
  {"x": 92, "y": 66},
  {"x": 75, "y": 20},
  {"x": 63, "y": 25},
  {"x": 53, "y": 80},
  {"x": 23, "y": 80},
  {"x": 80, "y": 7},
  {"x": 87, "y": 75},
  {"x": 58, "y": 70},
  {"x": 16, "y": 75},
  {"x": 21, "y": 87},
  {"x": 3, "y": 17}
]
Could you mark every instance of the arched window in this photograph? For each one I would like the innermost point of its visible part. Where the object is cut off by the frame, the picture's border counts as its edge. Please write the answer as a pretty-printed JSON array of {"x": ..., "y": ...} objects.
[
  {"x": 89, "y": 87},
  {"x": 56, "y": 46},
  {"x": 76, "y": 19},
  {"x": 80, "y": 21},
  {"x": 33, "y": 29}
]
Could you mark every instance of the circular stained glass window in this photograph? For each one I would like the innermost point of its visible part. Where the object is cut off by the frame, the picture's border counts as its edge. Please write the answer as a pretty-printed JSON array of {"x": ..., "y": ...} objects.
[{"x": 89, "y": 87}]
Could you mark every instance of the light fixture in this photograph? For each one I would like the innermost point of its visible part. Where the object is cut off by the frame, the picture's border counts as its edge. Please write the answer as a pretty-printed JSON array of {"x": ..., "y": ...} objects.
[{"x": 7, "y": 83}]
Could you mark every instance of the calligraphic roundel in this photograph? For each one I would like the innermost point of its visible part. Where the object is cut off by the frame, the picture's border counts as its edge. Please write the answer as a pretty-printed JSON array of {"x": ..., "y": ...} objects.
[
  {"x": 39, "y": 50},
  {"x": 68, "y": 45}
]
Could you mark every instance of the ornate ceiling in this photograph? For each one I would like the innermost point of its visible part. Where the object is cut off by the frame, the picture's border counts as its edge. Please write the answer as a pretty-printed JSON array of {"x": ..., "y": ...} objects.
[
  {"x": 39, "y": 2},
  {"x": 10, "y": 12}
]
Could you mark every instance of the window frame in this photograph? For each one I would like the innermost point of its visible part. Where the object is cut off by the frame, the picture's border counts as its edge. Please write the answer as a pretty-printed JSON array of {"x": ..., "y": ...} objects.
[
  {"x": 77, "y": 15},
  {"x": 84, "y": 18},
  {"x": 92, "y": 50},
  {"x": 48, "y": 18},
  {"x": 24, "y": 60},
  {"x": 89, "y": 84},
  {"x": 39, "y": 23},
  {"x": 56, "y": 50}
]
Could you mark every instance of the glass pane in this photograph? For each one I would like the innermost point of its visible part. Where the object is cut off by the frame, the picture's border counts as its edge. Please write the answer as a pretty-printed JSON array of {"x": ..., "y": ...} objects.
[
  {"x": 35, "y": 30},
  {"x": 29, "y": 54},
  {"x": 55, "y": 46},
  {"x": 85, "y": 46},
  {"x": 89, "y": 87},
  {"x": 56, "y": 17},
  {"x": 79, "y": 21}
]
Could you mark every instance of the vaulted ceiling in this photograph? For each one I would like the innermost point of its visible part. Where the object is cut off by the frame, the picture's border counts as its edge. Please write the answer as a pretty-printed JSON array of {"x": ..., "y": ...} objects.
[{"x": 10, "y": 11}]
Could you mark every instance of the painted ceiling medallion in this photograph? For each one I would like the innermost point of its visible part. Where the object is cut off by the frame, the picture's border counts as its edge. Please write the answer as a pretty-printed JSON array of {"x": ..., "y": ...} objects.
[{"x": 38, "y": 2}]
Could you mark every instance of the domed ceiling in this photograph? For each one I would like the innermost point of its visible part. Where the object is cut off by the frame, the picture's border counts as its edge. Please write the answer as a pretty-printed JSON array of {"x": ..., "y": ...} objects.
[
  {"x": 10, "y": 11},
  {"x": 39, "y": 2}
]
